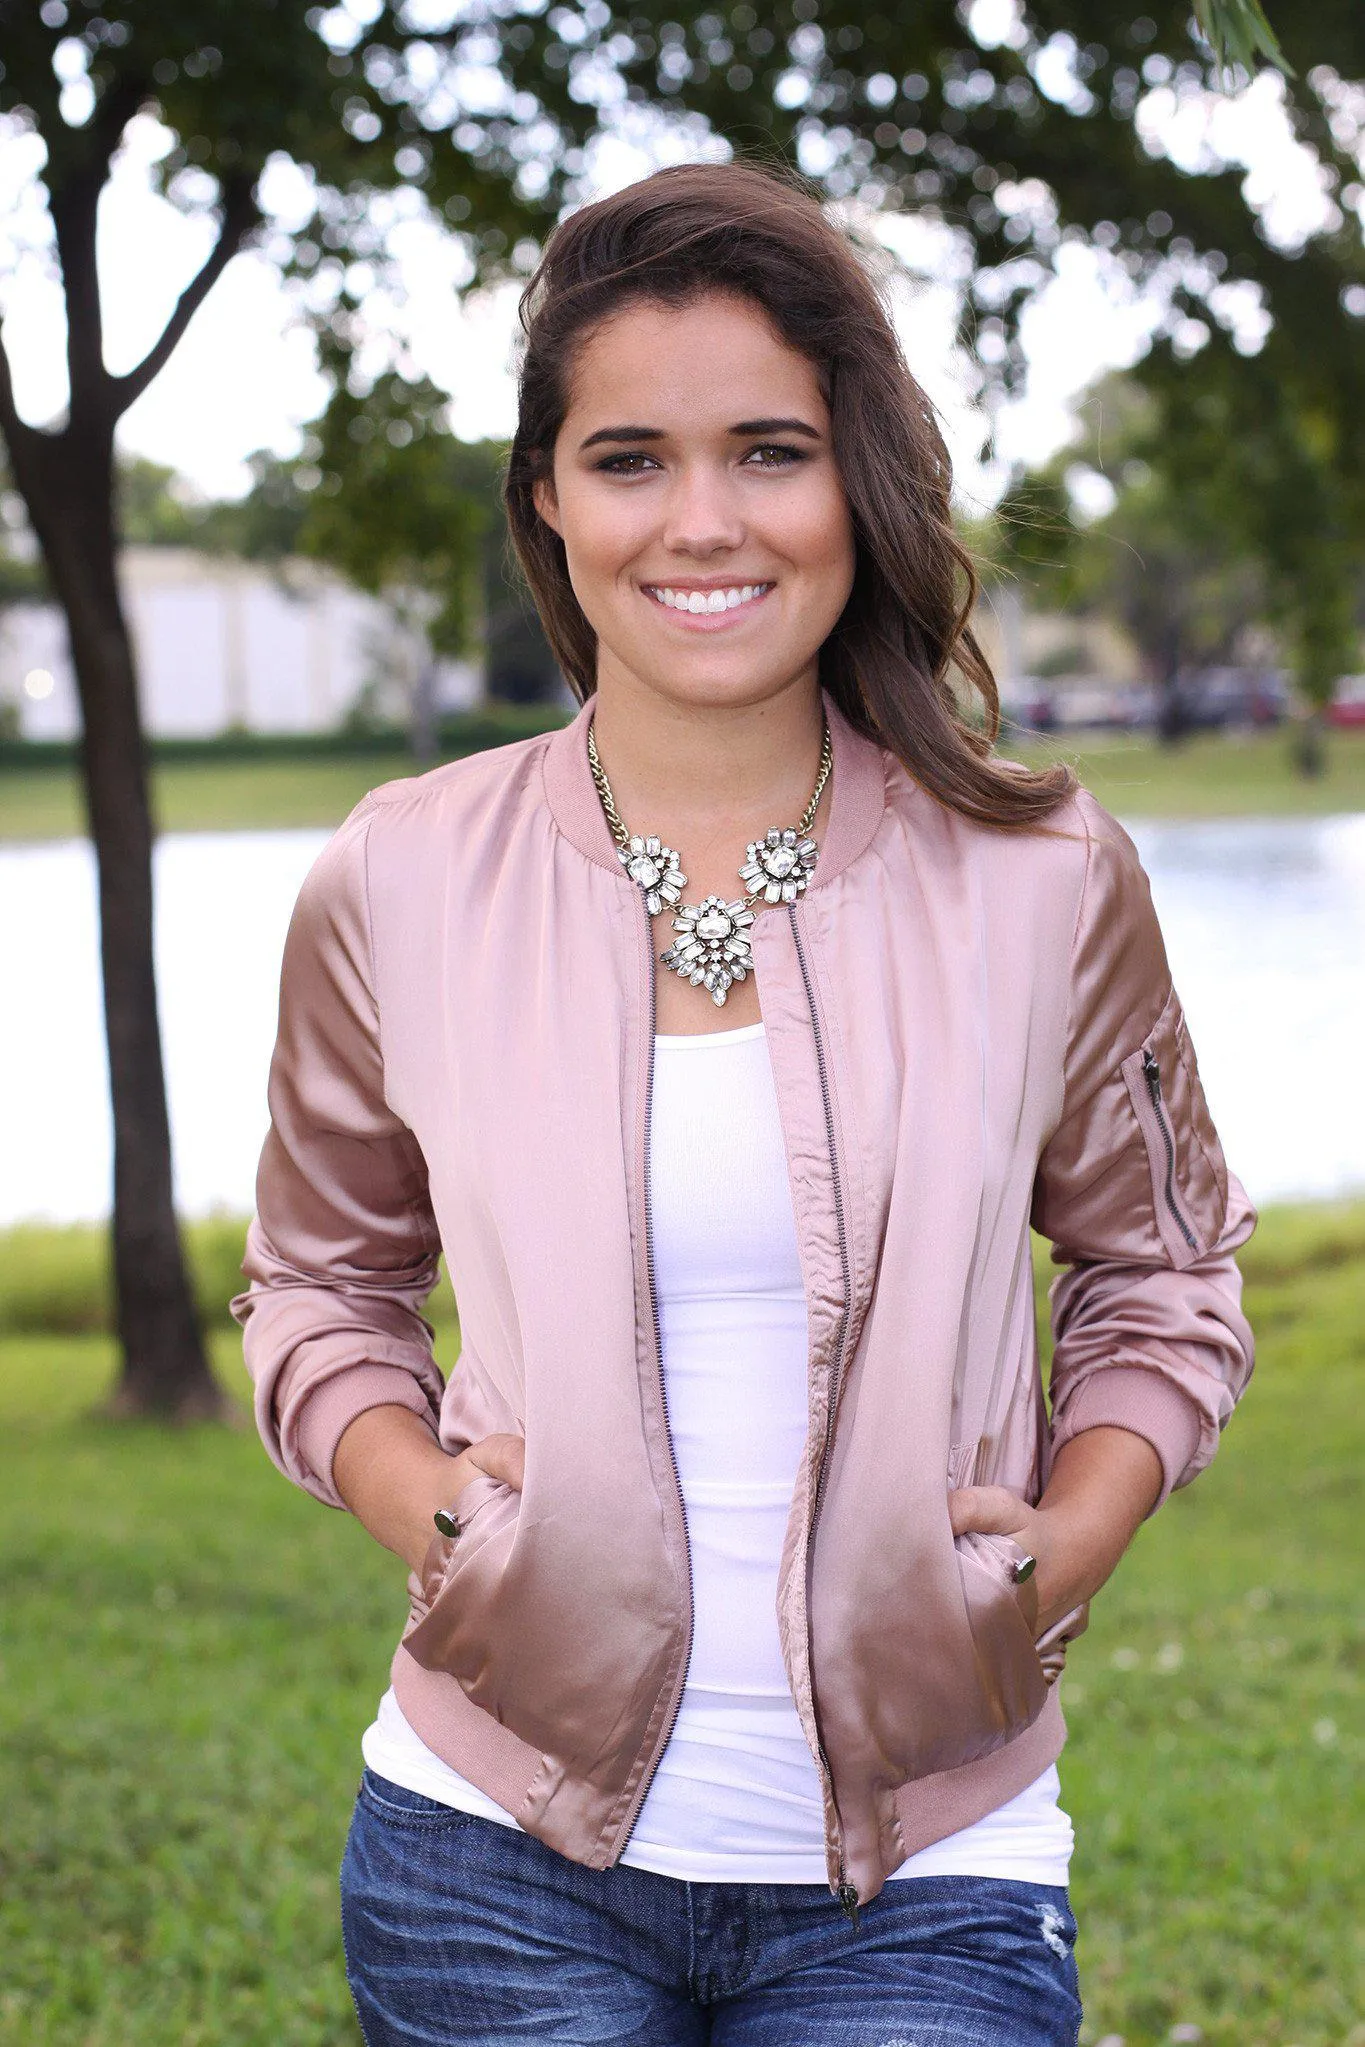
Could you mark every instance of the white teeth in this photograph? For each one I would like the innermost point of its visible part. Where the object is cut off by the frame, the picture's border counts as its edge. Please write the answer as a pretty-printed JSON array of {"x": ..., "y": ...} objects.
[{"x": 709, "y": 601}]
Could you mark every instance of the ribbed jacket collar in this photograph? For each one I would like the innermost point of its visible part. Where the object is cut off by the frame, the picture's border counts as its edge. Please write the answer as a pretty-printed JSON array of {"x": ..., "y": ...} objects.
[{"x": 857, "y": 794}]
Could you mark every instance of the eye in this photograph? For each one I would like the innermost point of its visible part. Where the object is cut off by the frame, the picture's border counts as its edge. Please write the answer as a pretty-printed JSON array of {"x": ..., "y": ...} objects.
[
  {"x": 774, "y": 455},
  {"x": 631, "y": 462}
]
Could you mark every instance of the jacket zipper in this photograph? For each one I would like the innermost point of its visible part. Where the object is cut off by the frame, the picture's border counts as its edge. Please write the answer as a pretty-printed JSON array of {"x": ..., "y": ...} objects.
[
  {"x": 1151, "y": 1073},
  {"x": 642, "y": 1792},
  {"x": 845, "y": 1891}
]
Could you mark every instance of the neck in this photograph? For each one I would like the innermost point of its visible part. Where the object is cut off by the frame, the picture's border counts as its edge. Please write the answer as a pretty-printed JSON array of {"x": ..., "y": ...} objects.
[{"x": 704, "y": 769}]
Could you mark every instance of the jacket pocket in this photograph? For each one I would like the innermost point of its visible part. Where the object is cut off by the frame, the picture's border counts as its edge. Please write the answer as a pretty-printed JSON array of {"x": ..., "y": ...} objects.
[
  {"x": 1054, "y": 1643},
  {"x": 452, "y": 1594},
  {"x": 1000, "y": 1556},
  {"x": 1002, "y": 1613},
  {"x": 1184, "y": 1158}
]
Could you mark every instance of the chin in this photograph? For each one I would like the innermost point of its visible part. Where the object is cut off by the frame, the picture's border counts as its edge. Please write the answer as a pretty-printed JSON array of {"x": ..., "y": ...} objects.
[
  {"x": 708, "y": 678},
  {"x": 733, "y": 684}
]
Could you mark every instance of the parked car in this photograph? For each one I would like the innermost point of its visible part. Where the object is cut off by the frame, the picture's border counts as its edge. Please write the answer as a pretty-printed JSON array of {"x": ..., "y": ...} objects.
[
  {"x": 1077, "y": 704},
  {"x": 1348, "y": 704},
  {"x": 1211, "y": 698}
]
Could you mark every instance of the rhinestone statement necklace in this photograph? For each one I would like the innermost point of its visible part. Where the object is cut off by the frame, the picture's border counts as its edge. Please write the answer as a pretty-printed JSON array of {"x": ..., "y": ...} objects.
[{"x": 712, "y": 949}]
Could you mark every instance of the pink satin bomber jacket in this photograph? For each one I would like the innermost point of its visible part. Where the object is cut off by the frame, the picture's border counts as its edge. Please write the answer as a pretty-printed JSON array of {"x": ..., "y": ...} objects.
[{"x": 970, "y": 1030}]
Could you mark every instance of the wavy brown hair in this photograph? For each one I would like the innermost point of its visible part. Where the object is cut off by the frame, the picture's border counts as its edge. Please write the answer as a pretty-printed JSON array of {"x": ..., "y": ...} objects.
[{"x": 905, "y": 632}]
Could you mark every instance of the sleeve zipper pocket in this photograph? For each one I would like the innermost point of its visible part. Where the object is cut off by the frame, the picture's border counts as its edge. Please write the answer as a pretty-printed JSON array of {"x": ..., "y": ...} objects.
[
  {"x": 1154, "y": 1120},
  {"x": 1151, "y": 1073}
]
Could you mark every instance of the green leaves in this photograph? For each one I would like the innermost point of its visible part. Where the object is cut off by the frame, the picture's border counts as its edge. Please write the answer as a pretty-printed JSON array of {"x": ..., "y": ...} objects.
[
  {"x": 1238, "y": 34},
  {"x": 400, "y": 506}
]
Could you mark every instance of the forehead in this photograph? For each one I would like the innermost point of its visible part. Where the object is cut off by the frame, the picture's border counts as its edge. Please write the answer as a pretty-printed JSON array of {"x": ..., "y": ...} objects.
[{"x": 705, "y": 364}]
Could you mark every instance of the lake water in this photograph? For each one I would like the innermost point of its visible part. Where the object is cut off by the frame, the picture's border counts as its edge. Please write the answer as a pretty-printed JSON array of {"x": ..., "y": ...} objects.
[{"x": 1264, "y": 922}]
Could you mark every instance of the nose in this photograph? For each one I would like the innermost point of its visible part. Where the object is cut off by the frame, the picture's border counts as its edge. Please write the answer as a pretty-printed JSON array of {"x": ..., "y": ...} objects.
[{"x": 703, "y": 516}]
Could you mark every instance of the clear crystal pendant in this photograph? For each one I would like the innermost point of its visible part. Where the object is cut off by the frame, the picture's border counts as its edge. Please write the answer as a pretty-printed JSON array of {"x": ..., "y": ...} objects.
[
  {"x": 656, "y": 870},
  {"x": 779, "y": 866},
  {"x": 712, "y": 949}
]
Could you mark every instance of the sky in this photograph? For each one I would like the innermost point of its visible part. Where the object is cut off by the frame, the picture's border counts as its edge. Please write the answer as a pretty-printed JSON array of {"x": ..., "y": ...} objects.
[{"x": 245, "y": 378}]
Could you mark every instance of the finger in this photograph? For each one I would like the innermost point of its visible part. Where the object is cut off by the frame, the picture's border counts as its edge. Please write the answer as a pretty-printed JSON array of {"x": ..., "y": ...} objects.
[
  {"x": 516, "y": 1461},
  {"x": 502, "y": 1457},
  {"x": 988, "y": 1509}
]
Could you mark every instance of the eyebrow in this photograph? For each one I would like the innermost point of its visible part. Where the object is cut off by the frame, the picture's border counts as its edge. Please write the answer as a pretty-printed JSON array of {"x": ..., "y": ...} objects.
[{"x": 741, "y": 427}]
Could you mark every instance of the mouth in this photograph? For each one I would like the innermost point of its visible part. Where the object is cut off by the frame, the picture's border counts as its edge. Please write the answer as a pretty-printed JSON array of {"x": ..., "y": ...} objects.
[{"x": 714, "y": 601}]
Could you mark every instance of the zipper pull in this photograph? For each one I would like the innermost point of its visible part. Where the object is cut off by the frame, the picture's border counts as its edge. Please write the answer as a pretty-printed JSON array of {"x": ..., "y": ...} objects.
[
  {"x": 848, "y": 1898},
  {"x": 1151, "y": 1073}
]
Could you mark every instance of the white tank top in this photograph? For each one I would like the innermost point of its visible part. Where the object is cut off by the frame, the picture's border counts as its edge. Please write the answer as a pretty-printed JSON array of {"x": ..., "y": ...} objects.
[{"x": 736, "y": 1796}]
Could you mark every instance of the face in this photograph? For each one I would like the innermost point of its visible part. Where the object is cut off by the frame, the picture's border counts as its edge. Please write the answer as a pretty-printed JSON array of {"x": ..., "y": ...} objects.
[{"x": 708, "y": 538}]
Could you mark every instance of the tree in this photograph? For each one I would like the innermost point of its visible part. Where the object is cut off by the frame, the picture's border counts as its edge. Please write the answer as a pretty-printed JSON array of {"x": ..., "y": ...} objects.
[
  {"x": 407, "y": 510},
  {"x": 396, "y": 506},
  {"x": 1272, "y": 475},
  {"x": 1018, "y": 139},
  {"x": 1168, "y": 576},
  {"x": 386, "y": 494},
  {"x": 489, "y": 118},
  {"x": 1233, "y": 508},
  {"x": 235, "y": 84},
  {"x": 1165, "y": 562}
]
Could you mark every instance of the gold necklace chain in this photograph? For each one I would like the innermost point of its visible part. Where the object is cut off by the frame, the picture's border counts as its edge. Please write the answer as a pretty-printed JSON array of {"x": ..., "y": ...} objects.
[{"x": 620, "y": 831}]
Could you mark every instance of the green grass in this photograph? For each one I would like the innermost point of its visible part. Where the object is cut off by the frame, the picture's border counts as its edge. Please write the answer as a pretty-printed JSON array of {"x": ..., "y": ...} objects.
[
  {"x": 191, "y": 1649},
  {"x": 1212, "y": 775},
  {"x": 1208, "y": 777},
  {"x": 44, "y": 803},
  {"x": 55, "y": 1281}
]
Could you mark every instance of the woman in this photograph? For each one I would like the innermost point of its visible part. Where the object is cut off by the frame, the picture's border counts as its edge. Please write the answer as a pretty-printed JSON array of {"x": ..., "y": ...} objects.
[{"x": 727, "y": 1041}]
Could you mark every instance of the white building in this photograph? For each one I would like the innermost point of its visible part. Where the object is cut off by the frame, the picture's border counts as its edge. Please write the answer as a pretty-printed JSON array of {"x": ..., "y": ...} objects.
[{"x": 226, "y": 645}]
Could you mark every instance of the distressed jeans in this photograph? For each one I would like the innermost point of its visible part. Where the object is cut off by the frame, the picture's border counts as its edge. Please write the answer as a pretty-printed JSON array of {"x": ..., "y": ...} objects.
[{"x": 460, "y": 1932}]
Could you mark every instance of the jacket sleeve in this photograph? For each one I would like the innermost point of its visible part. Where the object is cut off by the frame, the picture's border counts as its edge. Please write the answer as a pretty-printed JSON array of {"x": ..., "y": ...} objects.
[
  {"x": 343, "y": 1249},
  {"x": 1134, "y": 1193}
]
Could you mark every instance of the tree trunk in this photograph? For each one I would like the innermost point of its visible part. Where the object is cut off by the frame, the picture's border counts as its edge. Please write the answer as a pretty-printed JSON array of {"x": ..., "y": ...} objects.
[
  {"x": 422, "y": 734},
  {"x": 1310, "y": 749},
  {"x": 69, "y": 491},
  {"x": 1172, "y": 718}
]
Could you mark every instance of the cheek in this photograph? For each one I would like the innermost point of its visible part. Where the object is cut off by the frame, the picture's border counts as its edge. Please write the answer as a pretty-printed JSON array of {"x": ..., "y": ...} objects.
[
  {"x": 601, "y": 533},
  {"x": 820, "y": 541}
]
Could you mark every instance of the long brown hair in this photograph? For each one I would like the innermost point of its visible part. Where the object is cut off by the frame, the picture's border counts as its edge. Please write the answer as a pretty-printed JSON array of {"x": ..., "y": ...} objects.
[{"x": 889, "y": 663}]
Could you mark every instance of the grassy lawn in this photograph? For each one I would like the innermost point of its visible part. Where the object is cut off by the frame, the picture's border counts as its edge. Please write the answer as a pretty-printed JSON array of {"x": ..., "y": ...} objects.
[
  {"x": 1208, "y": 777},
  {"x": 44, "y": 803},
  {"x": 1212, "y": 775},
  {"x": 191, "y": 1649}
]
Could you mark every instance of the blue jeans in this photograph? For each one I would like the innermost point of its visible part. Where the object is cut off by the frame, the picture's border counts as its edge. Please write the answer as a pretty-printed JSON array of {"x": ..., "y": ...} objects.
[{"x": 463, "y": 1933}]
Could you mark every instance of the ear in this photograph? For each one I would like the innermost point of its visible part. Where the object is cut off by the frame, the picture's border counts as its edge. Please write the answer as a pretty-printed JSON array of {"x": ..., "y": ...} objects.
[{"x": 546, "y": 503}]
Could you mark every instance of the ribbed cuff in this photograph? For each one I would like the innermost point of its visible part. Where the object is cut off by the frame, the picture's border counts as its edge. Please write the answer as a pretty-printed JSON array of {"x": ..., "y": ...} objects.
[
  {"x": 328, "y": 1413},
  {"x": 1144, "y": 1403}
]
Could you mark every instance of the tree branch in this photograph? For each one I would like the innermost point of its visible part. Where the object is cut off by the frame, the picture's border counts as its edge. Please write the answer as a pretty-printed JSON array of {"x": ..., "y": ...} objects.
[
  {"x": 75, "y": 207},
  {"x": 78, "y": 170},
  {"x": 240, "y": 215}
]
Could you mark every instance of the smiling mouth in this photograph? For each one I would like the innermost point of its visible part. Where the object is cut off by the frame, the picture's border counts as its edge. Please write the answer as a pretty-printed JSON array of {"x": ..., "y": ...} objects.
[{"x": 700, "y": 603}]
